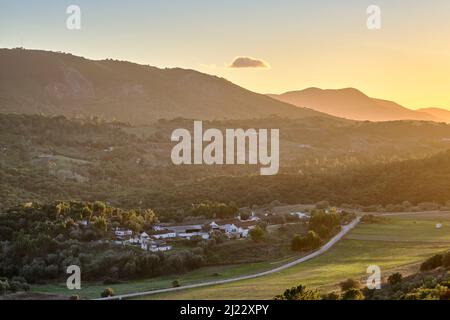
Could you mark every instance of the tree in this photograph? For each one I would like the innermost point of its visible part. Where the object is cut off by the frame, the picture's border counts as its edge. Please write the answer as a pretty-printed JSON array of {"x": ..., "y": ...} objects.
[
  {"x": 432, "y": 263},
  {"x": 257, "y": 233},
  {"x": 353, "y": 294},
  {"x": 86, "y": 213},
  {"x": 331, "y": 296},
  {"x": 244, "y": 215},
  {"x": 99, "y": 208},
  {"x": 299, "y": 293},
  {"x": 101, "y": 224},
  {"x": 395, "y": 278},
  {"x": 446, "y": 260},
  {"x": 108, "y": 292},
  {"x": 350, "y": 284},
  {"x": 176, "y": 284},
  {"x": 310, "y": 241},
  {"x": 4, "y": 286},
  {"x": 297, "y": 243}
]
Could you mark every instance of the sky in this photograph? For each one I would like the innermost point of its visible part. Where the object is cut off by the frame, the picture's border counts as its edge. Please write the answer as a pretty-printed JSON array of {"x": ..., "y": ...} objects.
[{"x": 296, "y": 44}]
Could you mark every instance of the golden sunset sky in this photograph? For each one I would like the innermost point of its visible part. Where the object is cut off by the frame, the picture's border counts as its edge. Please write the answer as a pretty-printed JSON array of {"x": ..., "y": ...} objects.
[{"x": 306, "y": 43}]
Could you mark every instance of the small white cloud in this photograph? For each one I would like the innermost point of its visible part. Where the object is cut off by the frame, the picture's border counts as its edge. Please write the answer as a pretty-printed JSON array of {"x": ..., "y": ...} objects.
[{"x": 249, "y": 62}]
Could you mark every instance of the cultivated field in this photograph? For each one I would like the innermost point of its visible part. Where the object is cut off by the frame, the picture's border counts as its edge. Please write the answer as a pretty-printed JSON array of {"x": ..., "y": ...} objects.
[{"x": 402, "y": 243}]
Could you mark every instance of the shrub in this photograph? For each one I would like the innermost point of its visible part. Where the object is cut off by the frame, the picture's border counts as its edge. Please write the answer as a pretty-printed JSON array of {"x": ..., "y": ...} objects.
[
  {"x": 395, "y": 278},
  {"x": 257, "y": 233},
  {"x": 4, "y": 286},
  {"x": 176, "y": 284},
  {"x": 350, "y": 284},
  {"x": 432, "y": 263},
  {"x": 108, "y": 292},
  {"x": 353, "y": 294},
  {"x": 331, "y": 296},
  {"x": 446, "y": 260},
  {"x": 310, "y": 241},
  {"x": 299, "y": 293}
]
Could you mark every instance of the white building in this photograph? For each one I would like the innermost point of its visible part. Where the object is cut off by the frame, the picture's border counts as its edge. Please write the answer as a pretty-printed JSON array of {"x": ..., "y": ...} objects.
[
  {"x": 164, "y": 234},
  {"x": 189, "y": 236},
  {"x": 122, "y": 233},
  {"x": 300, "y": 215}
]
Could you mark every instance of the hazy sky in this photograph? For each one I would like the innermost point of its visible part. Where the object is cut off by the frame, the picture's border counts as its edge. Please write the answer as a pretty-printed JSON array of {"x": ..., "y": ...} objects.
[{"x": 306, "y": 43}]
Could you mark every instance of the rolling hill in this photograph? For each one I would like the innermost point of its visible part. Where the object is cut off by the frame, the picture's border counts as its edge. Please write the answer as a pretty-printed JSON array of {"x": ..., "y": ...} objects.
[
  {"x": 50, "y": 83},
  {"x": 351, "y": 103}
]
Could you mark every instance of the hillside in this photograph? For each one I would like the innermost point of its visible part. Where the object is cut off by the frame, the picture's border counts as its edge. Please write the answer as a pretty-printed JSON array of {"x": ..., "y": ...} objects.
[
  {"x": 353, "y": 104},
  {"x": 53, "y": 158},
  {"x": 33, "y": 82}
]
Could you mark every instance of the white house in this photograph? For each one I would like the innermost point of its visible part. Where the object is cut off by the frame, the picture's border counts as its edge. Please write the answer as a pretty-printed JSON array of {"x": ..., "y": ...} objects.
[
  {"x": 84, "y": 222},
  {"x": 163, "y": 248},
  {"x": 144, "y": 237},
  {"x": 236, "y": 228},
  {"x": 189, "y": 236},
  {"x": 300, "y": 215},
  {"x": 244, "y": 227},
  {"x": 155, "y": 246},
  {"x": 122, "y": 234},
  {"x": 214, "y": 225},
  {"x": 164, "y": 234},
  {"x": 228, "y": 228}
]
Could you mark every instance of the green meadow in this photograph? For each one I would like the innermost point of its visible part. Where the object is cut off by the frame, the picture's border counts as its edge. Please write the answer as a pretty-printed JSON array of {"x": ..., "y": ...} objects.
[
  {"x": 92, "y": 290},
  {"x": 400, "y": 243}
]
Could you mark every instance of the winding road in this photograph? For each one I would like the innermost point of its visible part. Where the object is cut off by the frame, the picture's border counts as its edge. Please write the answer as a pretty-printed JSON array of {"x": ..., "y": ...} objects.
[{"x": 326, "y": 247}]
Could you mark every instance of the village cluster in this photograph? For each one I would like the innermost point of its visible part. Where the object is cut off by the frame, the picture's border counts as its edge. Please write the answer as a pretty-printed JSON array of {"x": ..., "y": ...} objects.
[{"x": 156, "y": 239}]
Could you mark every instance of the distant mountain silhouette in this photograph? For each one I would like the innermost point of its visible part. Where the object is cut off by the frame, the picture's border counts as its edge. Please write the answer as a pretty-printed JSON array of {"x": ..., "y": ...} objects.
[
  {"x": 351, "y": 103},
  {"x": 33, "y": 81},
  {"x": 438, "y": 112}
]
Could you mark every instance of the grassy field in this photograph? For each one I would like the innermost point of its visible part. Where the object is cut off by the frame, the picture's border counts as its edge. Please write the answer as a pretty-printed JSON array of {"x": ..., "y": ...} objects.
[
  {"x": 93, "y": 290},
  {"x": 399, "y": 244}
]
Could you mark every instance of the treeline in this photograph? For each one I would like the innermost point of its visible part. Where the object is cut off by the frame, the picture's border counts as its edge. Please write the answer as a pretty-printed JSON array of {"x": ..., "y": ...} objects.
[
  {"x": 38, "y": 242},
  {"x": 322, "y": 225},
  {"x": 209, "y": 209},
  {"x": 129, "y": 167}
]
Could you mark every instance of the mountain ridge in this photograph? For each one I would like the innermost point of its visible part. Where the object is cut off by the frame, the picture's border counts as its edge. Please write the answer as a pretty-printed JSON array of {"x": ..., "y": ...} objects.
[
  {"x": 54, "y": 83},
  {"x": 350, "y": 103}
]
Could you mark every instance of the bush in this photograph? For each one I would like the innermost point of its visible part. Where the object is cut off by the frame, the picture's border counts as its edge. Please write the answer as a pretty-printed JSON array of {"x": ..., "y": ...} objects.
[
  {"x": 4, "y": 286},
  {"x": 350, "y": 284},
  {"x": 257, "y": 233},
  {"x": 299, "y": 293},
  {"x": 395, "y": 278},
  {"x": 331, "y": 296},
  {"x": 353, "y": 294},
  {"x": 446, "y": 260},
  {"x": 310, "y": 241},
  {"x": 176, "y": 284},
  {"x": 16, "y": 286},
  {"x": 432, "y": 263},
  {"x": 108, "y": 292}
]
